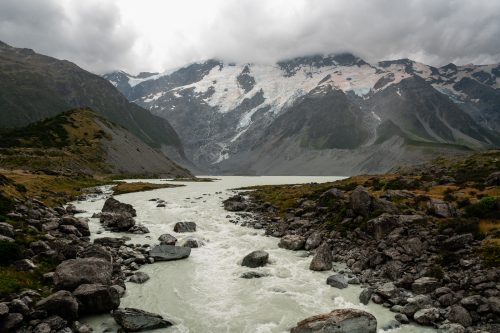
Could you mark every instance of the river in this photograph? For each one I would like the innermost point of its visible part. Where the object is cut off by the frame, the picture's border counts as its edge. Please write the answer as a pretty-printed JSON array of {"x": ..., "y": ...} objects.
[{"x": 204, "y": 293}]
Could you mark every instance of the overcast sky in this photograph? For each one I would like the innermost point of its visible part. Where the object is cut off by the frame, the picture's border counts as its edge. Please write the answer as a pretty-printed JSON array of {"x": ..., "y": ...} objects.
[{"x": 156, "y": 35}]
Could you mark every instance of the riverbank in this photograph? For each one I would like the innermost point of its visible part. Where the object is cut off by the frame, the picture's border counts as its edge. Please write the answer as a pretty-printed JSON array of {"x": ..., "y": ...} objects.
[{"x": 423, "y": 242}]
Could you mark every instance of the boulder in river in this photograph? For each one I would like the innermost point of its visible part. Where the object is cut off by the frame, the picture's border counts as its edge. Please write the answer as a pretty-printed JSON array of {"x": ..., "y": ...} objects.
[
  {"x": 253, "y": 275},
  {"x": 117, "y": 222},
  {"x": 169, "y": 252},
  {"x": 96, "y": 298},
  {"x": 192, "y": 242},
  {"x": 338, "y": 321},
  {"x": 116, "y": 207},
  {"x": 167, "y": 239},
  {"x": 74, "y": 272},
  {"x": 135, "y": 320},
  {"x": 322, "y": 260},
  {"x": 292, "y": 242},
  {"x": 337, "y": 281},
  {"x": 255, "y": 259},
  {"x": 185, "y": 227}
]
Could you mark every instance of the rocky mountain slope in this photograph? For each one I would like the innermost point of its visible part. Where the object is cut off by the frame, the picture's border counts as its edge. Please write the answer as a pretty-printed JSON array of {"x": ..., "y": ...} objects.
[
  {"x": 82, "y": 142},
  {"x": 35, "y": 87},
  {"x": 321, "y": 114}
]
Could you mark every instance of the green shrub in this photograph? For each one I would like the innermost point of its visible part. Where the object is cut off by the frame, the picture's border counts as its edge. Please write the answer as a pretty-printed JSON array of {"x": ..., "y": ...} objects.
[
  {"x": 463, "y": 226},
  {"x": 487, "y": 207},
  {"x": 10, "y": 252},
  {"x": 402, "y": 184},
  {"x": 463, "y": 203},
  {"x": 21, "y": 188},
  {"x": 490, "y": 253}
]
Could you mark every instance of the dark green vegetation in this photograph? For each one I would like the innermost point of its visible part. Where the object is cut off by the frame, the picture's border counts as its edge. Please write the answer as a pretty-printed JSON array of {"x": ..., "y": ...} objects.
[{"x": 35, "y": 87}]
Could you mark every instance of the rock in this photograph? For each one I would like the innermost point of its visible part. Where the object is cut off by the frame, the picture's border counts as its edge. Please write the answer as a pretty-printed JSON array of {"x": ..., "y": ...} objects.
[
  {"x": 6, "y": 239},
  {"x": 80, "y": 224},
  {"x": 292, "y": 242},
  {"x": 139, "y": 277},
  {"x": 117, "y": 222},
  {"x": 135, "y": 320},
  {"x": 322, "y": 260},
  {"x": 114, "y": 206},
  {"x": 169, "y": 252},
  {"x": 388, "y": 290},
  {"x": 413, "y": 246},
  {"x": 255, "y": 259},
  {"x": 139, "y": 229},
  {"x": 426, "y": 316},
  {"x": 96, "y": 298},
  {"x": 493, "y": 179},
  {"x": 451, "y": 328},
  {"x": 61, "y": 303},
  {"x": 337, "y": 281},
  {"x": 313, "y": 241},
  {"x": 338, "y": 321},
  {"x": 185, "y": 227},
  {"x": 441, "y": 208},
  {"x": 365, "y": 296},
  {"x": 167, "y": 239},
  {"x": 457, "y": 242},
  {"x": 360, "y": 201},
  {"x": 19, "y": 306},
  {"x": 460, "y": 316},
  {"x": 253, "y": 275},
  {"x": 10, "y": 322},
  {"x": 96, "y": 251},
  {"x": 7, "y": 230},
  {"x": 403, "y": 319},
  {"x": 4, "y": 310},
  {"x": 353, "y": 280},
  {"x": 24, "y": 265},
  {"x": 384, "y": 206},
  {"x": 74, "y": 272},
  {"x": 494, "y": 303},
  {"x": 235, "y": 204},
  {"x": 39, "y": 246},
  {"x": 381, "y": 226},
  {"x": 119, "y": 289},
  {"x": 192, "y": 242},
  {"x": 425, "y": 285},
  {"x": 110, "y": 241},
  {"x": 471, "y": 302},
  {"x": 393, "y": 324}
]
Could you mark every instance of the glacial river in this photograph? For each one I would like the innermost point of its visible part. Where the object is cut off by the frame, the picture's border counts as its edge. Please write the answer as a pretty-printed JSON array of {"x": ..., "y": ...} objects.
[{"x": 204, "y": 293}]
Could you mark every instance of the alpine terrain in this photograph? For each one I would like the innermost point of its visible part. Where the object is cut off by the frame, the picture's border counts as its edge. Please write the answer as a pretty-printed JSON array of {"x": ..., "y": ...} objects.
[{"x": 321, "y": 115}]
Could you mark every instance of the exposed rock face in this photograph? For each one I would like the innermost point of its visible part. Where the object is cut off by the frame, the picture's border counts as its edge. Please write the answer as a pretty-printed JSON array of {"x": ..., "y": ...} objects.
[
  {"x": 322, "y": 260},
  {"x": 338, "y": 321},
  {"x": 61, "y": 303},
  {"x": 169, "y": 252},
  {"x": 167, "y": 239},
  {"x": 134, "y": 320},
  {"x": 72, "y": 273},
  {"x": 255, "y": 259},
  {"x": 185, "y": 227},
  {"x": 96, "y": 298},
  {"x": 292, "y": 242}
]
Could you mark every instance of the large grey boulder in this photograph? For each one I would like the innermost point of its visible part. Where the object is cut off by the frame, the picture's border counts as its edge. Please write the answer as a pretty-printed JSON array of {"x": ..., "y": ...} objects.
[
  {"x": 426, "y": 316},
  {"x": 235, "y": 204},
  {"x": 441, "y": 208},
  {"x": 96, "y": 251},
  {"x": 185, "y": 227},
  {"x": 74, "y": 272},
  {"x": 365, "y": 296},
  {"x": 338, "y": 321},
  {"x": 459, "y": 315},
  {"x": 135, "y": 320},
  {"x": 167, "y": 239},
  {"x": 62, "y": 304},
  {"x": 337, "y": 281},
  {"x": 255, "y": 259},
  {"x": 169, "y": 252},
  {"x": 313, "y": 241},
  {"x": 117, "y": 222},
  {"x": 381, "y": 226},
  {"x": 96, "y": 298},
  {"x": 116, "y": 207},
  {"x": 292, "y": 242},
  {"x": 360, "y": 201},
  {"x": 322, "y": 260}
]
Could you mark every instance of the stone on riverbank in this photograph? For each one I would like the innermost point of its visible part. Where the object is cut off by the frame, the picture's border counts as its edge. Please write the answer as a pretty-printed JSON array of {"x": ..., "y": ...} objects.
[
  {"x": 96, "y": 298},
  {"x": 337, "y": 281},
  {"x": 338, "y": 321},
  {"x": 61, "y": 303},
  {"x": 292, "y": 242},
  {"x": 135, "y": 320},
  {"x": 74, "y": 272},
  {"x": 322, "y": 260},
  {"x": 111, "y": 205},
  {"x": 167, "y": 239}
]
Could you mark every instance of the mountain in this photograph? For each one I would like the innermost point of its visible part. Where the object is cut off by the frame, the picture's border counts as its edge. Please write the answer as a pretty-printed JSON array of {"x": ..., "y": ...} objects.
[
  {"x": 35, "y": 87},
  {"x": 333, "y": 114},
  {"x": 80, "y": 141}
]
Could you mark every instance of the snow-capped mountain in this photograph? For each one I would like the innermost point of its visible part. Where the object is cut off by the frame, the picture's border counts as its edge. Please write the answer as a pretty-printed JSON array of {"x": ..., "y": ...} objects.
[{"x": 321, "y": 114}]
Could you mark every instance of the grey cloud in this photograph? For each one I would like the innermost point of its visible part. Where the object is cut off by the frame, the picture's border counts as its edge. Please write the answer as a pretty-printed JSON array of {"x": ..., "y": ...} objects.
[{"x": 93, "y": 34}]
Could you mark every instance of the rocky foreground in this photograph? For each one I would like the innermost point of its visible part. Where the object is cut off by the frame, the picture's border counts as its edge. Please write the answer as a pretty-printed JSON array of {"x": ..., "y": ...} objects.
[
  {"x": 49, "y": 250},
  {"x": 423, "y": 242}
]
